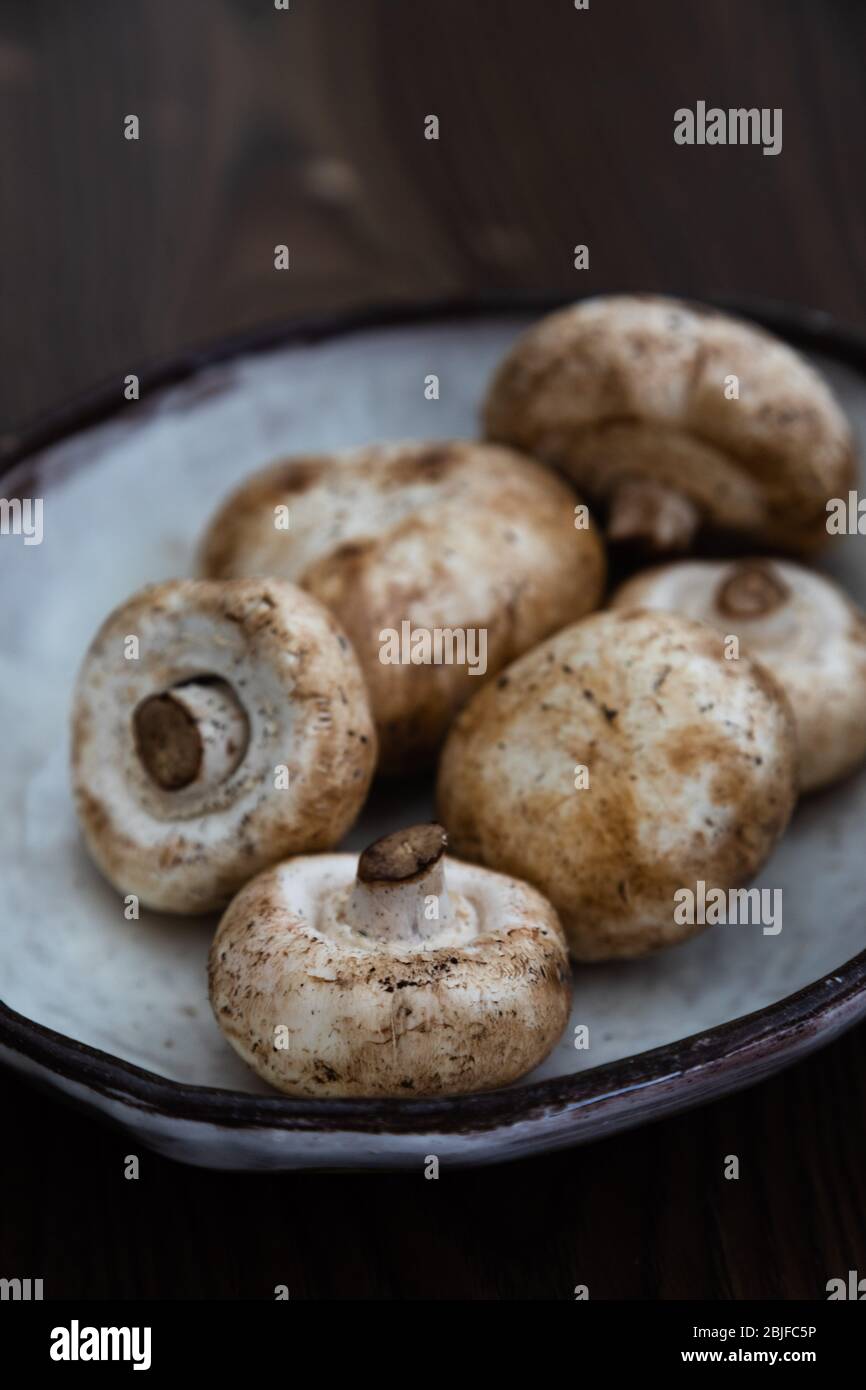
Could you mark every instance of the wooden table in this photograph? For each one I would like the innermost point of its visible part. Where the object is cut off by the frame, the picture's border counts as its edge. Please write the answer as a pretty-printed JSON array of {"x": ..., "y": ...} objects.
[{"x": 260, "y": 128}]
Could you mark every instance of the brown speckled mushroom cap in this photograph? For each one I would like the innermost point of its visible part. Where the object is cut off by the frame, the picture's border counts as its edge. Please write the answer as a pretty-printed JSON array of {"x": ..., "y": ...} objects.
[
  {"x": 396, "y": 974},
  {"x": 797, "y": 623},
  {"x": 238, "y": 734},
  {"x": 691, "y": 770},
  {"x": 627, "y": 395},
  {"x": 459, "y": 537}
]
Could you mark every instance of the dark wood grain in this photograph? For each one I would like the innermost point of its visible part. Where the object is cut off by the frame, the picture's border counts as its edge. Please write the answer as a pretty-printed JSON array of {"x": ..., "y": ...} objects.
[{"x": 306, "y": 128}]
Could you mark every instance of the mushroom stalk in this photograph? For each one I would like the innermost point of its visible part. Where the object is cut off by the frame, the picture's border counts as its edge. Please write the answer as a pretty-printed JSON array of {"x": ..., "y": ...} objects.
[
  {"x": 400, "y": 893},
  {"x": 195, "y": 733},
  {"x": 753, "y": 590},
  {"x": 646, "y": 511}
]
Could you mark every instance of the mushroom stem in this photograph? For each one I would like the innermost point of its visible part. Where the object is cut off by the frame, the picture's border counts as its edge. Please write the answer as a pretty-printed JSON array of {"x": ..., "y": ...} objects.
[
  {"x": 195, "y": 733},
  {"x": 644, "y": 510},
  {"x": 399, "y": 892},
  {"x": 752, "y": 591}
]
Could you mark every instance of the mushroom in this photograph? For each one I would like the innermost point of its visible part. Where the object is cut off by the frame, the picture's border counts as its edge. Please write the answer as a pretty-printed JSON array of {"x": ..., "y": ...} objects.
[
  {"x": 799, "y": 624},
  {"x": 621, "y": 761},
  {"x": 389, "y": 974},
  {"x": 676, "y": 416},
  {"x": 442, "y": 561},
  {"x": 217, "y": 727}
]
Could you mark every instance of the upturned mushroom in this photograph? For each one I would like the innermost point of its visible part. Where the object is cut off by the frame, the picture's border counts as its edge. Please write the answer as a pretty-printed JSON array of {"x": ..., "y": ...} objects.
[
  {"x": 441, "y": 561},
  {"x": 216, "y": 729},
  {"x": 797, "y": 623},
  {"x": 620, "y": 762},
  {"x": 675, "y": 417},
  {"x": 396, "y": 973}
]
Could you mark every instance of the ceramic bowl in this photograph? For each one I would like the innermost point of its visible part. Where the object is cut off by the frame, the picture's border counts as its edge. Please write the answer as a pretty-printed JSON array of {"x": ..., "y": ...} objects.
[{"x": 114, "y": 1014}]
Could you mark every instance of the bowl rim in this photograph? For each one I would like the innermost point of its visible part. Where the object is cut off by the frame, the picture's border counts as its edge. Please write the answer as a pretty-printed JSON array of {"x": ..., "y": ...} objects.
[{"x": 774, "y": 1031}]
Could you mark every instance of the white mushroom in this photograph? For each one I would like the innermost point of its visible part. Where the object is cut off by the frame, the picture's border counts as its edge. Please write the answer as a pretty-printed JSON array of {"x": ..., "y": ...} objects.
[
  {"x": 335, "y": 975},
  {"x": 676, "y": 416},
  {"x": 797, "y": 623},
  {"x": 623, "y": 760},
  {"x": 468, "y": 541},
  {"x": 216, "y": 729}
]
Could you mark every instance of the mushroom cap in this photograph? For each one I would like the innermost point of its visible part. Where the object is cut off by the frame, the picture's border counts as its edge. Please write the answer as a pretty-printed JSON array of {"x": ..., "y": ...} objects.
[
  {"x": 297, "y": 679},
  {"x": 473, "y": 1007},
  {"x": 626, "y": 387},
  {"x": 691, "y": 775},
  {"x": 453, "y": 536},
  {"x": 800, "y": 625}
]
